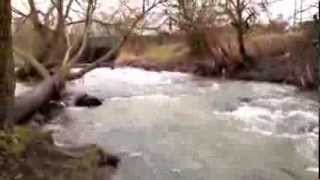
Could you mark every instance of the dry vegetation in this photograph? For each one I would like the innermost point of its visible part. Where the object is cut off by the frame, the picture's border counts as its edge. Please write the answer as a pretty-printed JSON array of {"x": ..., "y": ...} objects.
[{"x": 279, "y": 55}]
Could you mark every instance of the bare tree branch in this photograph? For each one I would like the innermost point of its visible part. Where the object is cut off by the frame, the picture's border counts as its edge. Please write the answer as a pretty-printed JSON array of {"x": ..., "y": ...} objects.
[
  {"x": 68, "y": 8},
  {"x": 67, "y": 62},
  {"x": 18, "y": 12},
  {"x": 93, "y": 20},
  {"x": 43, "y": 72},
  {"x": 120, "y": 44}
]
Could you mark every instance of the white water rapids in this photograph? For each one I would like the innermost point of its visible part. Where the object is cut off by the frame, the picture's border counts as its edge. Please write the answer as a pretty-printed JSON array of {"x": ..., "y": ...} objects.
[{"x": 175, "y": 126}]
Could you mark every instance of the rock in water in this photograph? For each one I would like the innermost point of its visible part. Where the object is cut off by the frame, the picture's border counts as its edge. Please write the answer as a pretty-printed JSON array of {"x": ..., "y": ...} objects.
[
  {"x": 245, "y": 99},
  {"x": 88, "y": 101},
  {"x": 109, "y": 160}
]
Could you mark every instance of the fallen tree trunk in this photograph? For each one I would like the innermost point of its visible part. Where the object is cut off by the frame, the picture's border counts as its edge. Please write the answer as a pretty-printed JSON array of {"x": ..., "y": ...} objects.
[{"x": 29, "y": 102}]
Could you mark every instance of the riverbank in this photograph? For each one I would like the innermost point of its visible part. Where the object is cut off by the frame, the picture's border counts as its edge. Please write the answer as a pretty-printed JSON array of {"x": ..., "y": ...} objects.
[
  {"x": 282, "y": 57},
  {"x": 29, "y": 154},
  {"x": 275, "y": 72}
]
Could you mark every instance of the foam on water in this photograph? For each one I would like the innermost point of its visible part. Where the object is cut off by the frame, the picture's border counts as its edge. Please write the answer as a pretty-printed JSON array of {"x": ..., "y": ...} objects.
[
  {"x": 131, "y": 76},
  {"x": 307, "y": 115},
  {"x": 271, "y": 117},
  {"x": 156, "y": 97},
  {"x": 275, "y": 111},
  {"x": 267, "y": 88},
  {"x": 276, "y": 101},
  {"x": 313, "y": 169},
  {"x": 253, "y": 114},
  {"x": 21, "y": 88}
]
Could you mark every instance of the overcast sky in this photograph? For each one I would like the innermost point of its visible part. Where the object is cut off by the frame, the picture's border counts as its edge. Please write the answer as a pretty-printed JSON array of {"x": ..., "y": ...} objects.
[{"x": 283, "y": 8}]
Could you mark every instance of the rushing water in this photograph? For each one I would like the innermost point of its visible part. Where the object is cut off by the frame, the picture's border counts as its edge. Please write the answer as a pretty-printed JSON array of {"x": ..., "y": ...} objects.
[{"x": 175, "y": 126}]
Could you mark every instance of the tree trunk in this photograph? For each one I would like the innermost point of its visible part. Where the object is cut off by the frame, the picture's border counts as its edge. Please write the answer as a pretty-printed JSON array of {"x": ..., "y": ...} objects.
[
  {"x": 318, "y": 58},
  {"x": 7, "y": 80},
  {"x": 58, "y": 43},
  {"x": 30, "y": 101},
  {"x": 242, "y": 48},
  {"x": 239, "y": 23}
]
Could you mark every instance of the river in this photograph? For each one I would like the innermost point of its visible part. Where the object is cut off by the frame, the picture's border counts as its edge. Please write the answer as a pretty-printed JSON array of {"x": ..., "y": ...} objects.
[{"x": 171, "y": 126}]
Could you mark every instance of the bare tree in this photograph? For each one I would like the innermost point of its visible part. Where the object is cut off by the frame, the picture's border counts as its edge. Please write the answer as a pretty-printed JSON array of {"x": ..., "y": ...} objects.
[
  {"x": 27, "y": 104},
  {"x": 194, "y": 17},
  {"x": 241, "y": 13},
  {"x": 48, "y": 33},
  {"x": 193, "y": 14}
]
